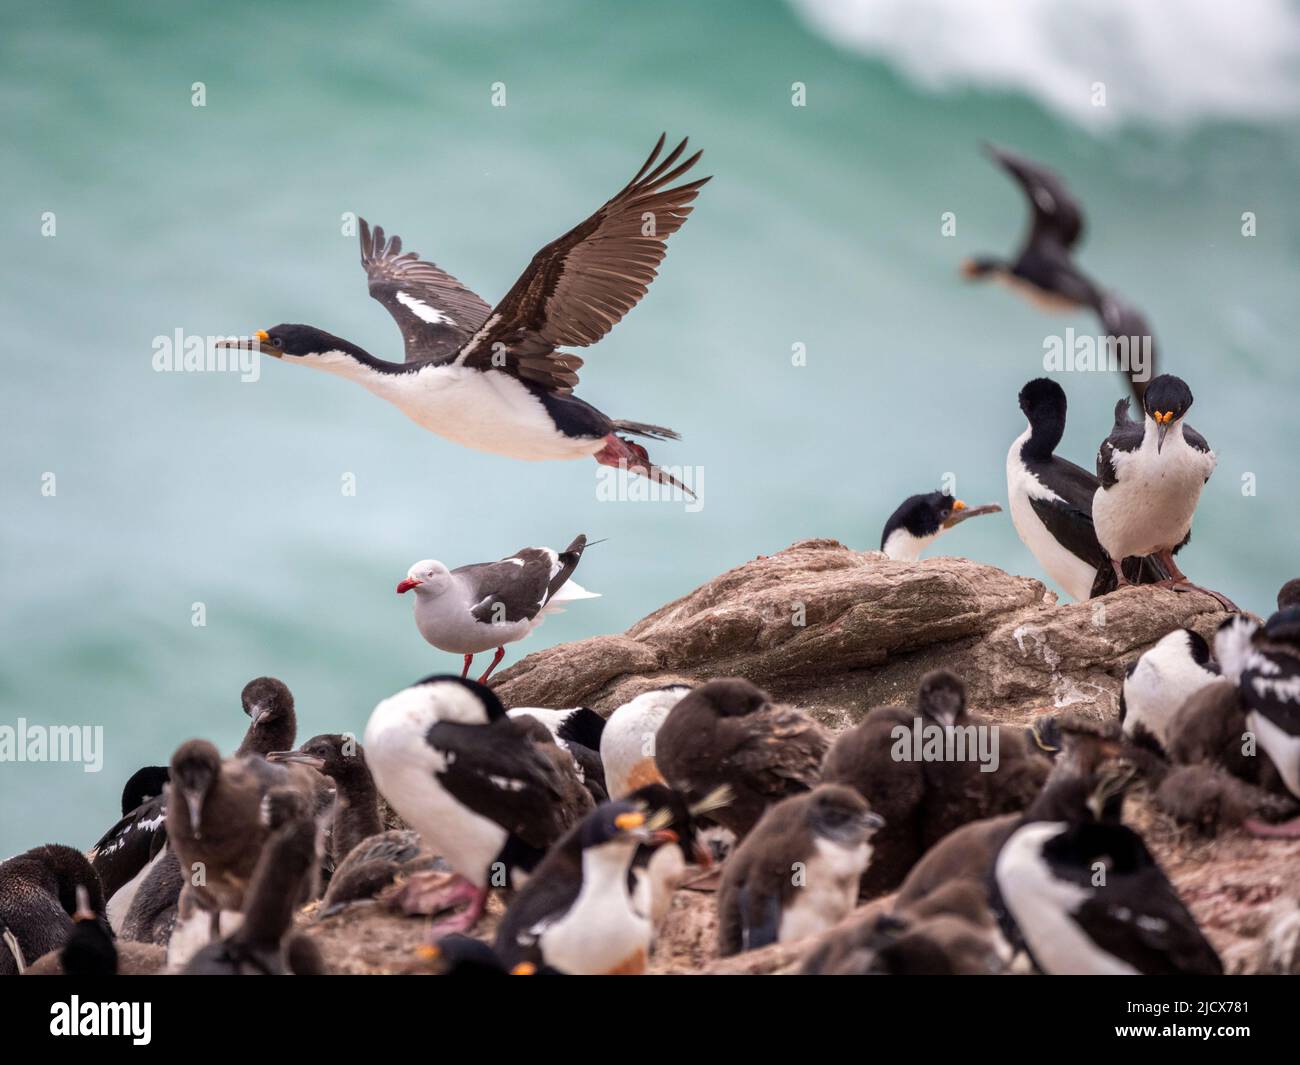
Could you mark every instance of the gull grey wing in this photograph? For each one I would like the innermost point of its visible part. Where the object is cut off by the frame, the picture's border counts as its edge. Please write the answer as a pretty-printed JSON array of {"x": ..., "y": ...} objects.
[
  {"x": 578, "y": 287},
  {"x": 435, "y": 312},
  {"x": 514, "y": 589}
]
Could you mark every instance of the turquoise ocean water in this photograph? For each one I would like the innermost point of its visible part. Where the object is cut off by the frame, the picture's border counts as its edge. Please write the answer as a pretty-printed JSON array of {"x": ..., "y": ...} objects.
[{"x": 822, "y": 228}]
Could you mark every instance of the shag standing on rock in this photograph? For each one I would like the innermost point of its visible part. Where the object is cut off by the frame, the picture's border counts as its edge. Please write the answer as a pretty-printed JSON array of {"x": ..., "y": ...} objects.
[
  {"x": 576, "y": 914},
  {"x": 472, "y": 782},
  {"x": 920, "y": 519},
  {"x": 1151, "y": 474},
  {"x": 490, "y": 604},
  {"x": 728, "y": 732},
  {"x": 1084, "y": 896},
  {"x": 493, "y": 378},
  {"x": 1044, "y": 271},
  {"x": 1051, "y": 502},
  {"x": 797, "y": 872}
]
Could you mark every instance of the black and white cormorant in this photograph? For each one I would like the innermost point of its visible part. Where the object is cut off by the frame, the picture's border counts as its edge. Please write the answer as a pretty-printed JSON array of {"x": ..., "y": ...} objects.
[
  {"x": 920, "y": 519},
  {"x": 490, "y": 604},
  {"x": 1080, "y": 891},
  {"x": 471, "y": 780},
  {"x": 123, "y": 854},
  {"x": 1159, "y": 682},
  {"x": 1044, "y": 271},
  {"x": 1264, "y": 662},
  {"x": 494, "y": 378},
  {"x": 1151, "y": 474},
  {"x": 1051, "y": 502}
]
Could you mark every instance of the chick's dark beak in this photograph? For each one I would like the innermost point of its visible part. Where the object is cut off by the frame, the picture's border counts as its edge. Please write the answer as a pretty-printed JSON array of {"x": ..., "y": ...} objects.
[{"x": 296, "y": 758}]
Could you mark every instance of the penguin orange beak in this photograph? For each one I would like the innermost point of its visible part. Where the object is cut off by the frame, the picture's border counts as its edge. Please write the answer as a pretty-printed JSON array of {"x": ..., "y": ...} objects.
[
  {"x": 960, "y": 512},
  {"x": 407, "y": 584}
]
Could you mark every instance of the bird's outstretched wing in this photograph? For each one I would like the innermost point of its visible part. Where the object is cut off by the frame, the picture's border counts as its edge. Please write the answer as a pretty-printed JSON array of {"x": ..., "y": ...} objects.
[
  {"x": 1128, "y": 327},
  {"x": 578, "y": 287},
  {"x": 1055, "y": 215},
  {"x": 435, "y": 312}
]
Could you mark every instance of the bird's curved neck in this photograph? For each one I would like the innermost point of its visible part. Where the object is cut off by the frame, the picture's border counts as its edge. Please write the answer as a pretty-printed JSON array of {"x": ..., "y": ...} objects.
[
  {"x": 348, "y": 360},
  {"x": 357, "y": 814},
  {"x": 1046, "y": 427}
]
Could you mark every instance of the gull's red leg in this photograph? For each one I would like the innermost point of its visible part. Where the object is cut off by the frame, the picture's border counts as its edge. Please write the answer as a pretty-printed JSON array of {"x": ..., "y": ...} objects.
[
  {"x": 496, "y": 658},
  {"x": 465, "y": 672}
]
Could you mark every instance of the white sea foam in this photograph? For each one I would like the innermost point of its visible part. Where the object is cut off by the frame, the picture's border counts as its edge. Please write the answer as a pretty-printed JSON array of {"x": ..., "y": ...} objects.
[{"x": 1167, "y": 62}]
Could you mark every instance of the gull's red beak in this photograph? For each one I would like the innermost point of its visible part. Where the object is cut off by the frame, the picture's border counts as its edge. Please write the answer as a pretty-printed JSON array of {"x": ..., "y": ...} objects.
[{"x": 408, "y": 584}]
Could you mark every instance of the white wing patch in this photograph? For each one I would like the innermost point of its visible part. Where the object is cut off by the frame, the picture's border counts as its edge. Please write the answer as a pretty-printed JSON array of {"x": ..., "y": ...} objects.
[{"x": 423, "y": 311}]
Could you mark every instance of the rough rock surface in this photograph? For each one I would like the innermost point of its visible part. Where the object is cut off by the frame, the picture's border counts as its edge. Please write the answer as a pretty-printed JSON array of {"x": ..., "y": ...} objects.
[{"x": 837, "y": 632}]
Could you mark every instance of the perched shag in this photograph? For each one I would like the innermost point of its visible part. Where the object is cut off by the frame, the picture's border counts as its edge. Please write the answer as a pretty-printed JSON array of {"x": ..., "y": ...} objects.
[
  {"x": 920, "y": 519},
  {"x": 1051, "y": 502},
  {"x": 471, "y": 780},
  {"x": 494, "y": 378},
  {"x": 1083, "y": 895},
  {"x": 1151, "y": 475},
  {"x": 490, "y": 604}
]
